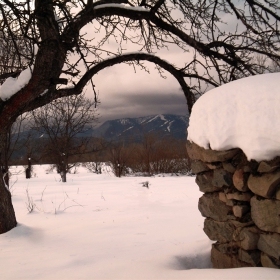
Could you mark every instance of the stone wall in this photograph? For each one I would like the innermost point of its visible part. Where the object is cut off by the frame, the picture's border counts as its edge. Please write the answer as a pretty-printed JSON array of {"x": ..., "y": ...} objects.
[{"x": 241, "y": 206}]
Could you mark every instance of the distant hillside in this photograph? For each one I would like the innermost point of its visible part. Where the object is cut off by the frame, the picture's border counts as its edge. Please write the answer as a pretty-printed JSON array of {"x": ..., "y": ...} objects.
[
  {"x": 174, "y": 125},
  {"x": 127, "y": 128},
  {"x": 167, "y": 124}
]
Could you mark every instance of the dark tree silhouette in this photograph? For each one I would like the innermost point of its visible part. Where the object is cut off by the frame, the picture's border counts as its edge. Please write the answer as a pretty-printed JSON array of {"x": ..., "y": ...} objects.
[
  {"x": 60, "y": 30},
  {"x": 61, "y": 121}
]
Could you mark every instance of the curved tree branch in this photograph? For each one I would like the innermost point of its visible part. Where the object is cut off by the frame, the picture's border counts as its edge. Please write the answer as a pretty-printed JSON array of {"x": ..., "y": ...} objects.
[
  {"x": 178, "y": 75},
  {"x": 136, "y": 14}
]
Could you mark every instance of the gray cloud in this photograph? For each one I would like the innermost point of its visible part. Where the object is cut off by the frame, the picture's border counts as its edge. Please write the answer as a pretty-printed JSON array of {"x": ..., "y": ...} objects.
[
  {"x": 143, "y": 104},
  {"x": 124, "y": 93}
]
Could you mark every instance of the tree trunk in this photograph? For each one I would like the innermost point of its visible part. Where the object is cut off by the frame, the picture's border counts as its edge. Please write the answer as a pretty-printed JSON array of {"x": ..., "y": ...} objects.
[
  {"x": 63, "y": 171},
  {"x": 63, "y": 168},
  {"x": 28, "y": 169},
  {"x": 7, "y": 213},
  {"x": 63, "y": 176}
]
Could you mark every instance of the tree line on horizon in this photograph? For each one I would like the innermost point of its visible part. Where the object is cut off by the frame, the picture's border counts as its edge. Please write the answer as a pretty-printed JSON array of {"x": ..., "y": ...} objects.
[{"x": 60, "y": 124}]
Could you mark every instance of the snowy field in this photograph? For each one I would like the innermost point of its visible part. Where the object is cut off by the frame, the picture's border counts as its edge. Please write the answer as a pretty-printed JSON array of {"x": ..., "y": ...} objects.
[{"x": 103, "y": 227}]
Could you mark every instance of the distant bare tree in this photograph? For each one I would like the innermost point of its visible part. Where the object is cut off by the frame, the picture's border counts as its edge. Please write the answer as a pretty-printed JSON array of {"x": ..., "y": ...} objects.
[
  {"x": 170, "y": 157},
  {"x": 157, "y": 153},
  {"x": 275, "y": 67},
  {"x": 61, "y": 122},
  {"x": 119, "y": 156},
  {"x": 96, "y": 155},
  {"x": 147, "y": 150}
]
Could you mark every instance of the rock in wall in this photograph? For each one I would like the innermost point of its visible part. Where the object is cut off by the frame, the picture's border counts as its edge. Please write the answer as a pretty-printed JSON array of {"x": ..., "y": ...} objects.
[{"x": 241, "y": 206}]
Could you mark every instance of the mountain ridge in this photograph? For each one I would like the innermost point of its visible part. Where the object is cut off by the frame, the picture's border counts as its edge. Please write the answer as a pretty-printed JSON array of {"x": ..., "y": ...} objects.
[
  {"x": 167, "y": 124},
  {"x": 127, "y": 129}
]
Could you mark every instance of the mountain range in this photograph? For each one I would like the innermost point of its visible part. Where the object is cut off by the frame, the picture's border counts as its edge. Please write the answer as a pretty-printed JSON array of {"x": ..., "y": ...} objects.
[
  {"x": 166, "y": 124},
  {"x": 126, "y": 129}
]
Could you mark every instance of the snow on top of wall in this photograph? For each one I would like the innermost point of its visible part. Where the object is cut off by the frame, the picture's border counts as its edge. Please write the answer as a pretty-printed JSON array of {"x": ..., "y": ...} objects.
[
  {"x": 242, "y": 114},
  {"x": 13, "y": 85}
]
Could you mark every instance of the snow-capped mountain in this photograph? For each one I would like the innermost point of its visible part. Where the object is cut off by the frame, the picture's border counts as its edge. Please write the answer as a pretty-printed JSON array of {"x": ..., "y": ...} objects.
[{"x": 174, "y": 125}]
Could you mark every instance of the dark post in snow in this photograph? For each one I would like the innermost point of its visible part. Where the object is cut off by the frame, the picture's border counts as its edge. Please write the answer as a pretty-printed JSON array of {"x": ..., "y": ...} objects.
[
  {"x": 28, "y": 169},
  {"x": 119, "y": 170},
  {"x": 98, "y": 167},
  {"x": 63, "y": 168}
]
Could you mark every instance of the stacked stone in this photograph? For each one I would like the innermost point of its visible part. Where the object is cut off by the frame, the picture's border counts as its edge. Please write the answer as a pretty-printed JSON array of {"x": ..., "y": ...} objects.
[{"x": 241, "y": 203}]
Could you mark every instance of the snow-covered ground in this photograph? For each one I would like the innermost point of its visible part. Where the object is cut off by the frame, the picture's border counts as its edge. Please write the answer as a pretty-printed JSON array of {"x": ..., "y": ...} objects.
[{"x": 103, "y": 227}]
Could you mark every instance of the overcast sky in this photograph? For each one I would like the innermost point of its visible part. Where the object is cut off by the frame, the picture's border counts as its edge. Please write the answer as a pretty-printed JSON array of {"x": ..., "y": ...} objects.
[{"x": 125, "y": 94}]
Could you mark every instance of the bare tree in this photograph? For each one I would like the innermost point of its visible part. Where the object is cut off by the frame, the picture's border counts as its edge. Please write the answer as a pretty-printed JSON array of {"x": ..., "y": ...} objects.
[
  {"x": 61, "y": 121},
  {"x": 95, "y": 156},
  {"x": 147, "y": 150},
  {"x": 119, "y": 157},
  {"x": 158, "y": 153},
  {"x": 170, "y": 157},
  {"x": 57, "y": 28}
]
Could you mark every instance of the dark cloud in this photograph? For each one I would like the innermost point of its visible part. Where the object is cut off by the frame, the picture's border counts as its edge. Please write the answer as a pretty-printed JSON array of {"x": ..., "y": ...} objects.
[
  {"x": 143, "y": 104},
  {"x": 124, "y": 93}
]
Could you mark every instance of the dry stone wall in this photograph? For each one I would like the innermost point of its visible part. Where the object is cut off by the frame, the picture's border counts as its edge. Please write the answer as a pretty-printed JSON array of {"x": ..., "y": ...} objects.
[{"x": 241, "y": 206}]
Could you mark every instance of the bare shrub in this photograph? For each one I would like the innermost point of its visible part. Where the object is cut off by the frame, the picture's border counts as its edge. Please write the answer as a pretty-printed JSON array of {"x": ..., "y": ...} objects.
[
  {"x": 30, "y": 205},
  {"x": 119, "y": 156},
  {"x": 157, "y": 154}
]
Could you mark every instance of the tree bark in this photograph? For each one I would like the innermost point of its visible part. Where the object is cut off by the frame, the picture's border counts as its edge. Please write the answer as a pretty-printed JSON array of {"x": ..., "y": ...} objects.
[
  {"x": 7, "y": 213},
  {"x": 63, "y": 169},
  {"x": 63, "y": 176},
  {"x": 28, "y": 169}
]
